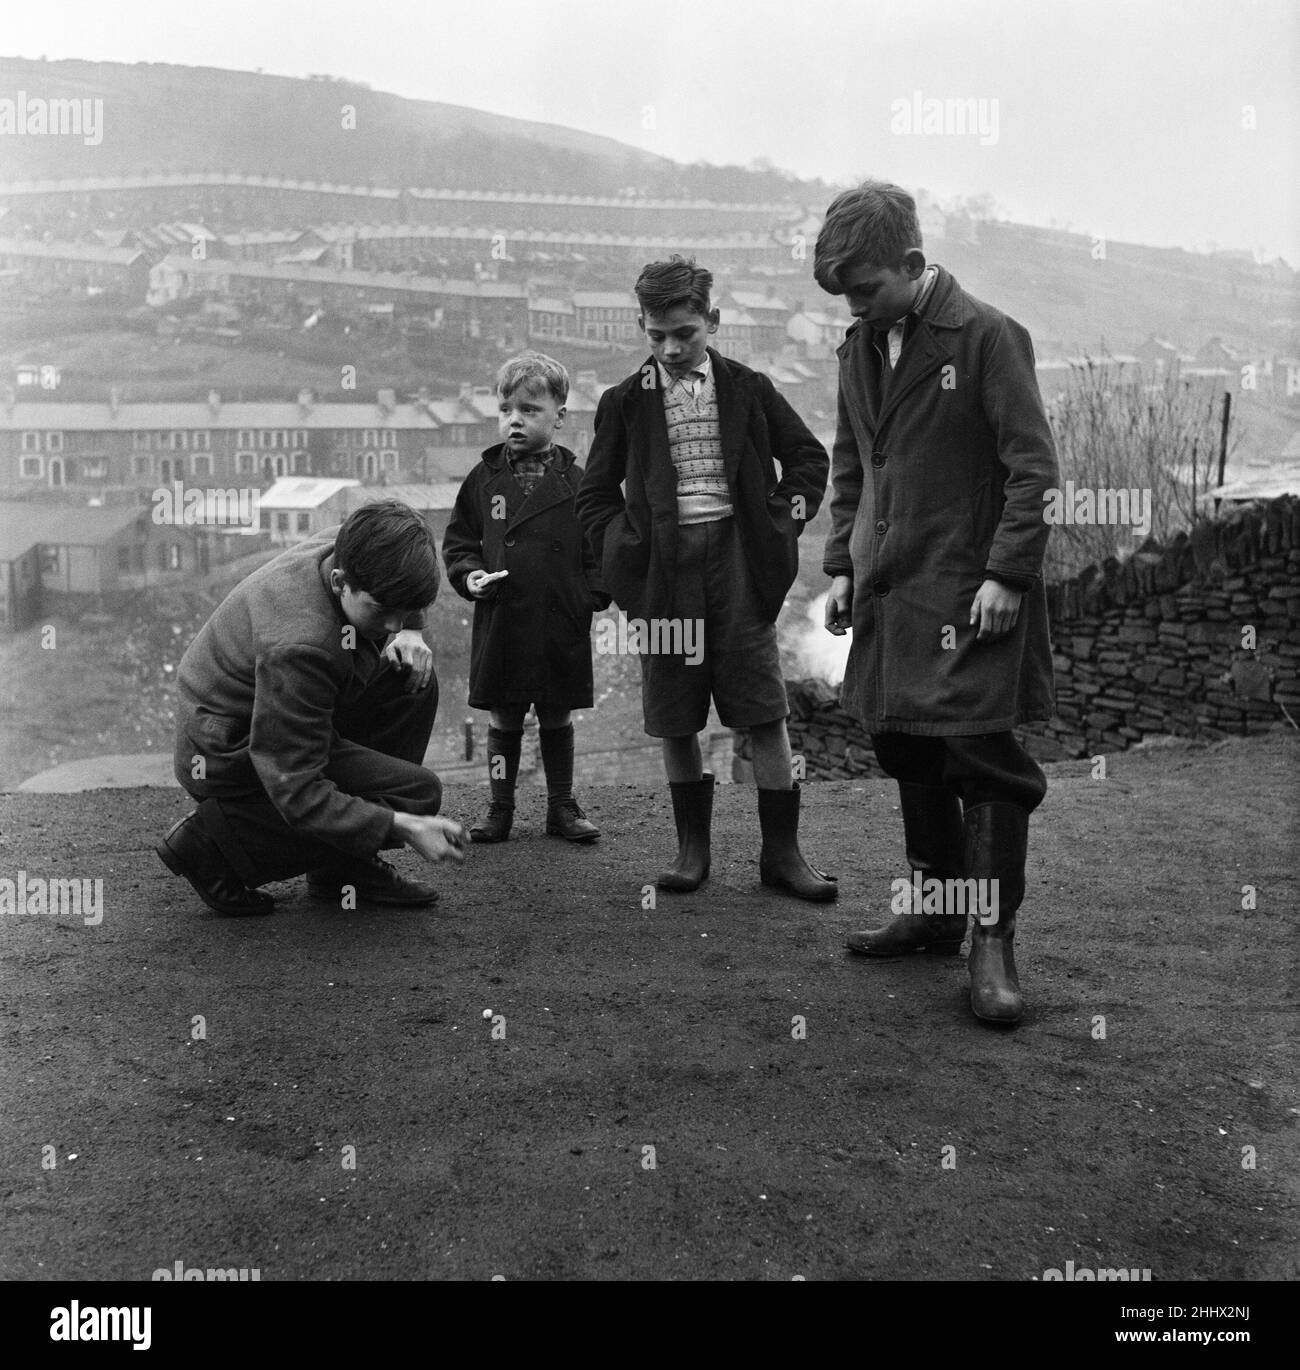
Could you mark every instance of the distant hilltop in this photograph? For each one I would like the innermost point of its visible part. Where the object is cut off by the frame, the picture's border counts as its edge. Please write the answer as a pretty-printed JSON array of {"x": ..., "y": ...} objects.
[{"x": 155, "y": 117}]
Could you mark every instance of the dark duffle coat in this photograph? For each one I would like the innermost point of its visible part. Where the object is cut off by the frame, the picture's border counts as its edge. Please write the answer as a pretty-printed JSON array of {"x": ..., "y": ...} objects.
[
  {"x": 635, "y": 537},
  {"x": 531, "y": 642},
  {"x": 937, "y": 484}
]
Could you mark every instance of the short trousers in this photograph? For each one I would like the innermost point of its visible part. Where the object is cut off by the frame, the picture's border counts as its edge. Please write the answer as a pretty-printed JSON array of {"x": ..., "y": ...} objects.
[{"x": 741, "y": 664}]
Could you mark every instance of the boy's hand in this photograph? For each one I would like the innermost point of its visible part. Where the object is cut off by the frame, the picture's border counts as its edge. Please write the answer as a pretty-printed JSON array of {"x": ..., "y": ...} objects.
[
  {"x": 839, "y": 606},
  {"x": 995, "y": 609},
  {"x": 409, "y": 652},
  {"x": 482, "y": 584},
  {"x": 435, "y": 839}
]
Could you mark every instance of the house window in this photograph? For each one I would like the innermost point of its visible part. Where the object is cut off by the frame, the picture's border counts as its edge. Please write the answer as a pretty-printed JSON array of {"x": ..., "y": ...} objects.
[
  {"x": 49, "y": 560},
  {"x": 140, "y": 442},
  {"x": 282, "y": 523},
  {"x": 370, "y": 438},
  {"x": 388, "y": 461},
  {"x": 123, "y": 558},
  {"x": 389, "y": 438},
  {"x": 141, "y": 465},
  {"x": 177, "y": 441},
  {"x": 54, "y": 442},
  {"x": 304, "y": 523},
  {"x": 300, "y": 437},
  {"x": 202, "y": 465},
  {"x": 31, "y": 442},
  {"x": 201, "y": 442},
  {"x": 246, "y": 438},
  {"x": 31, "y": 467},
  {"x": 245, "y": 463},
  {"x": 266, "y": 437},
  {"x": 264, "y": 521}
]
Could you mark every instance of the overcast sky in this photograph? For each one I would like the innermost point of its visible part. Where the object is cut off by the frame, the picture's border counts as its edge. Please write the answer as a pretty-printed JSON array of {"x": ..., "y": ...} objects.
[{"x": 1124, "y": 118}]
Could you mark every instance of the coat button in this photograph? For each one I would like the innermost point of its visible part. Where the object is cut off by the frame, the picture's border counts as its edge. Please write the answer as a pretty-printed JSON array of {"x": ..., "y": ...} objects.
[
  {"x": 510, "y": 542},
  {"x": 881, "y": 526},
  {"x": 881, "y": 587},
  {"x": 877, "y": 459}
]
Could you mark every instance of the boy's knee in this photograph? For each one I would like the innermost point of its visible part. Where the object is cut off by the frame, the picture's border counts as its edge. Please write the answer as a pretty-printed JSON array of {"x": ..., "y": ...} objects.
[{"x": 427, "y": 798}]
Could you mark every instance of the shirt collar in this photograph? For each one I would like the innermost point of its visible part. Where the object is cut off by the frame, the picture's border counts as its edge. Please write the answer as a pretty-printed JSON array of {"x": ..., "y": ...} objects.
[
  {"x": 704, "y": 369},
  {"x": 544, "y": 457},
  {"x": 928, "y": 278}
]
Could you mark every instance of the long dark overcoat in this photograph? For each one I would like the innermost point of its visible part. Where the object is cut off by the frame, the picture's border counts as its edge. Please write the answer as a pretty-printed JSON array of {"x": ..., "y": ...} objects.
[
  {"x": 937, "y": 484},
  {"x": 635, "y": 534},
  {"x": 531, "y": 641}
]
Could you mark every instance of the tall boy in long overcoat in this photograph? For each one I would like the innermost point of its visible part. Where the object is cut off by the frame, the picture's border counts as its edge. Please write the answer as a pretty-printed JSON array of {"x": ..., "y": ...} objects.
[{"x": 942, "y": 458}]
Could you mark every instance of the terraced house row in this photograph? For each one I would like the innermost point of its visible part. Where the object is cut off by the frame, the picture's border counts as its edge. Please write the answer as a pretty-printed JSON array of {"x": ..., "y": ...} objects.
[{"x": 97, "y": 449}]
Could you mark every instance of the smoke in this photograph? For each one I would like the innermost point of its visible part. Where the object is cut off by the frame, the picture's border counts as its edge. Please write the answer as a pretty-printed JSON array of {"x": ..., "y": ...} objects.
[{"x": 819, "y": 654}]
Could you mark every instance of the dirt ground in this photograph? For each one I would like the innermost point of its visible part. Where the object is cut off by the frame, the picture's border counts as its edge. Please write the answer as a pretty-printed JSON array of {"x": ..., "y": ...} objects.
[{"x": 672, "y": 1028}]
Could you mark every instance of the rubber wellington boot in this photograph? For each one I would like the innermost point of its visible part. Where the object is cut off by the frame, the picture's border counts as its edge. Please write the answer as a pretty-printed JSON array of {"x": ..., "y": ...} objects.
[
  {"x": 996, "y": 841},
  {"x": 781, "y": 863},
  {"x": 933, "y": 833},
  {"x": 693, "y": 813},
  {"x": 503, "y": 770}
]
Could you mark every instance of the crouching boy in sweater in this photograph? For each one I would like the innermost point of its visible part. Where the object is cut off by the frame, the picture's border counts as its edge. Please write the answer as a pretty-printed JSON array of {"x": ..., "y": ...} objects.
[
  {"x": 706, "y": 533},
  {"x": 302, "y": 736}
]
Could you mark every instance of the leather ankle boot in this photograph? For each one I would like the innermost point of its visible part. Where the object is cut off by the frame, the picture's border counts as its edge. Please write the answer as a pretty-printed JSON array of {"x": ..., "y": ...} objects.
[
  {"x": 781, "y": 864},
  {"x": 693, "y": 813},
  {"x": 932, "y": 830},
  {"x": 996, "y": 842},
  {"x": 189, "y": 851}
]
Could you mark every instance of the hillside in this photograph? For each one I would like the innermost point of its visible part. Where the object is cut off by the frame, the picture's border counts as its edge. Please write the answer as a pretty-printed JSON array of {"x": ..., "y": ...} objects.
[{"x": 159, "y": 117}]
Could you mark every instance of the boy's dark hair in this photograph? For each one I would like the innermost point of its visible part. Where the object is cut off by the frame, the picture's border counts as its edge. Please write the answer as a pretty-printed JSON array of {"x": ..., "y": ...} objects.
[
  {"x": 662, "y": 286},
  {"x": 533, "y": 370},
  {"x": 874, "y": 225},
  {"x": 389, "y": 551}
]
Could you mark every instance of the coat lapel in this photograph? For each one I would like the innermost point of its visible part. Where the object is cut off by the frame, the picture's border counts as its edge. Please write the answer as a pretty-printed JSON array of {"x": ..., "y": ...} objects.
[
  {"x": 648, "y": 433},
  {"x": 551, "y": 490},
  {"x": 733, "y": 401},
  {"x": 922, "y": 356},
  {"x": 862, "y": 390}
]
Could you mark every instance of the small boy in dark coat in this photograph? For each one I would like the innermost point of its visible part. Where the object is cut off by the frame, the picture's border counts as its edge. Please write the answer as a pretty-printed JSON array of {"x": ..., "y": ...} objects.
[
  {"x": 706, "y": 537},
  {"x": 942, "y": 458},
  {"x": 532, "y": 626},
  {"x": 302, "y": 735}
]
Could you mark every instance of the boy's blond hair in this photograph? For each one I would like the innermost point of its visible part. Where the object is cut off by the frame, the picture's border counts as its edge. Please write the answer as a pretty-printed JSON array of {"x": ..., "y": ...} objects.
[{"x": 533, "y": 370}]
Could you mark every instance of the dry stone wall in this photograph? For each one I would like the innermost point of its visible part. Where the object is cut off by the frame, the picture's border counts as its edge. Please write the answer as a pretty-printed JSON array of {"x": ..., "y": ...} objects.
[{"x": 1199, "y": 638}]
